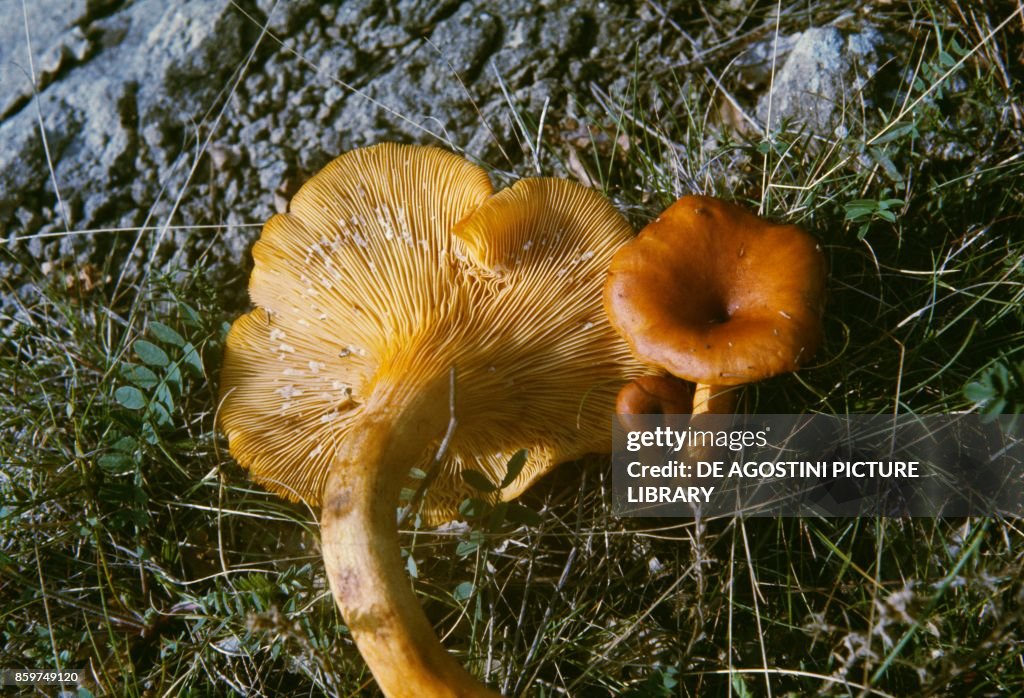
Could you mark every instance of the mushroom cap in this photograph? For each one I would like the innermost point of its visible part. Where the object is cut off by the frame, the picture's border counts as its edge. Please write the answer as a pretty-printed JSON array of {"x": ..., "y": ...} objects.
[
  {"x": 397, "y": 264},
  {"x": 655, "y": 394},
  {"x": 650, "y": 395},
  {"x": 717, "y": 295}
]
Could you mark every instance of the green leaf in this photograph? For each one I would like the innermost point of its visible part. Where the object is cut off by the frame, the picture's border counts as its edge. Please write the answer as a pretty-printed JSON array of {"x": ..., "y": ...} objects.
[
  {"x": 739, "y": 686},
  {"x": 150, "y": 353},
  {"x": 160, "y": 414},
  {"x": 130, "y": 397},
  {"x": 897, "y": 132},
  {"x": 164, "y": 395},
  {"x": 470, "y": 545},
  {"x": 463, "y": 591},
  {"x": 189, "y": 314},
  {"x": 472, "y": 508},
  {"x": 193, "y": 361},
  {"x": 978, "y": 392},
  {"x": 126, "y": 444},
  {"x": 859, "y": 208},
  {"x": 140, "y": 496},
  {"x": 657, "y": 685},
  {"x": 165, "y": 334},
  {"x": 410, "y": 565},
  {"x": 139, "y": 375},
  {"x": 497, "y": 517},
  {"x": 173, "y": 378},
  {"x": 993, "y": 409},
  {"x": 115, "y": 462},
  {"x": 478, "y": 481},
  {"x": 514, "y": 467},
  {"x": 466, "y": 548},
  {"x": 998, "y": 390}
]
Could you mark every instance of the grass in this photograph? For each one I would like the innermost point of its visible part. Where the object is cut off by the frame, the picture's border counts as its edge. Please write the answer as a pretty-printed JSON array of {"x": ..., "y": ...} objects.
[{"x": 134, "y": 550}]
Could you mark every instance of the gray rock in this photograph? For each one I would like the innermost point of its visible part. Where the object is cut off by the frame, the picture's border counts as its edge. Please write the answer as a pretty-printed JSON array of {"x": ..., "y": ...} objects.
[
  {"x": 136, "y": 88},
  {"x": 157, "y": 70},
  {"x": 55, "y": 40},
  {"x": 822, "y": 82},
  {"x": 757, "y": 62}
]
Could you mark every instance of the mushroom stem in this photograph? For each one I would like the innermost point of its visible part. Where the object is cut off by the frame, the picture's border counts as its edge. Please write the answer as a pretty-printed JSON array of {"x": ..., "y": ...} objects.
[
  {"x": 361, "y": 548},
  {"x": 713, "y": 399}
]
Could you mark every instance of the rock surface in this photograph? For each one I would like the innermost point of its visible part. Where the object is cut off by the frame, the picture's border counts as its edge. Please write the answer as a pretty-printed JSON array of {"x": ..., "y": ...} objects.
[
  {"x": 823, "y": 81},
  {"x": 174, "y": 129}
]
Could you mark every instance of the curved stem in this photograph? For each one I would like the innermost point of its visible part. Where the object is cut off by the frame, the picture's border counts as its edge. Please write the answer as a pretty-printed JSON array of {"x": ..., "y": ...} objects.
[
  {"x": 362, "y": 552},
  {"x": 713, "y": 399}
]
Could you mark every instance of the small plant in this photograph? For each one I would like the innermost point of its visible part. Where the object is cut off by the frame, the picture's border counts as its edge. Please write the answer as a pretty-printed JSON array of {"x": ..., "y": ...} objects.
[
  {"x": 660, "y": 684},
  {"x": 494, "y": 516},
  {"x": 155, "y": 383},
  {"x": 864, "y": 212},
  {"x": 998, "y": 390},
  {"x": 490, "y": 518}
]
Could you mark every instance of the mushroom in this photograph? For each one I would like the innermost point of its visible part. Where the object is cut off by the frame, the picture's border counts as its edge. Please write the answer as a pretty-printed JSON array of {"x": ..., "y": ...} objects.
[
  {"x": 718, "y": 296},
  {"x": 655, "y": 394},
  {"x": 652, "y": 394},
  {"x": 397, "y": 268}
]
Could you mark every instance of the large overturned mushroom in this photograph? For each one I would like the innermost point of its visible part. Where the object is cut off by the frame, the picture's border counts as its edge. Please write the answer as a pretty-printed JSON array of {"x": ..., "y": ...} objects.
[
  {"x": 396, "y": 268},
  {"x": 716, "y": 295}
]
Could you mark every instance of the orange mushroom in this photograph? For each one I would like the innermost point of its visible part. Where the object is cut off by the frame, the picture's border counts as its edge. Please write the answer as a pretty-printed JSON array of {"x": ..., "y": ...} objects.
[
  {"x": 718, "y": 296},
  {"x": 396, "y": 268},
  {"x": 653, "y": 394}
]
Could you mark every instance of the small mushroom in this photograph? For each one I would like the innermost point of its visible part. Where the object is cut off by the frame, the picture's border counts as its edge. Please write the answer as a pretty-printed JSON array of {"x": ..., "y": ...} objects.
[
  {"x": 653, "y": 394},
  {"x": 718, "y": 296},
  {"x": 396, "y": 268}
]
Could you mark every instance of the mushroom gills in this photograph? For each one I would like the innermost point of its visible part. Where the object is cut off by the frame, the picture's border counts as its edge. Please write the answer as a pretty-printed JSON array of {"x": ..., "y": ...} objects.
[{"x": 394, "y": 266}]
